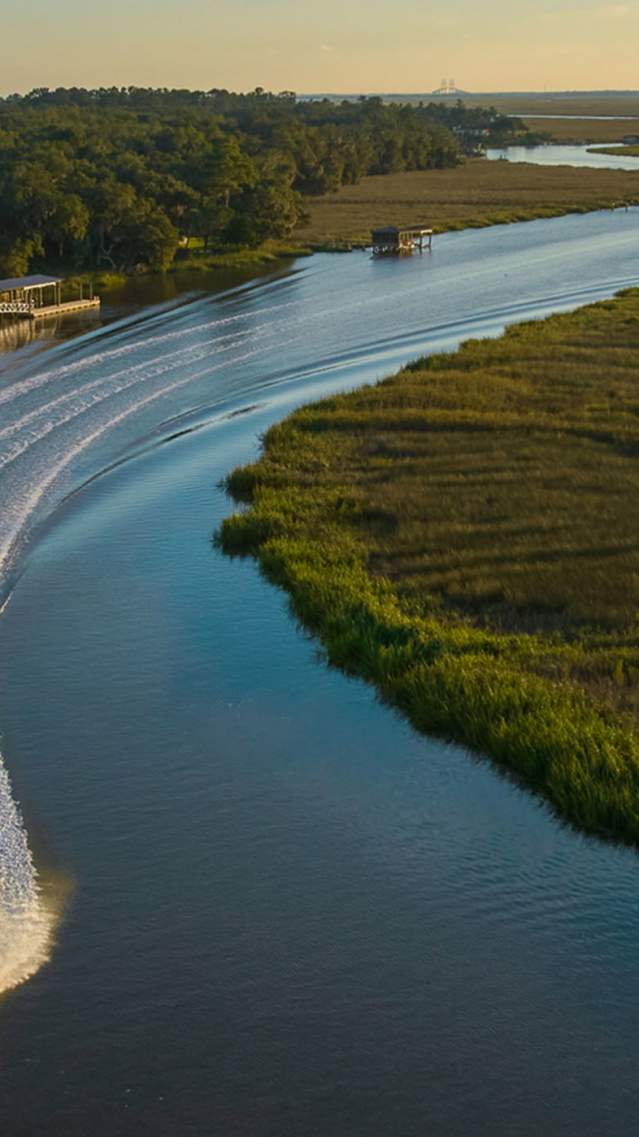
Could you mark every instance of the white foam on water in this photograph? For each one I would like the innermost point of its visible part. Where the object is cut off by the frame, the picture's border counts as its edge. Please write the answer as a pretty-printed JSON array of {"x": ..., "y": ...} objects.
[{"x": 26, "y": 926}]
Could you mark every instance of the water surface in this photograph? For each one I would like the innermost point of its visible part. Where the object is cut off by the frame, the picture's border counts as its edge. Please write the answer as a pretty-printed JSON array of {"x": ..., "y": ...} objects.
[
  {"x": 288, "y": 914},
  {"x": 555, "y": 155}
]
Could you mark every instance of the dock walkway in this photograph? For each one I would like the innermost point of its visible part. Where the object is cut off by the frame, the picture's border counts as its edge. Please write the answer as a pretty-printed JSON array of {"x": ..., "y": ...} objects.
[{"x": 61, "y": 309}]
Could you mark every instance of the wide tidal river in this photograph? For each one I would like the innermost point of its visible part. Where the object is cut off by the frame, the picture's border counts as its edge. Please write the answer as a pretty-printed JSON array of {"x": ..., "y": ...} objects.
[{"x": 238, "y": 895}]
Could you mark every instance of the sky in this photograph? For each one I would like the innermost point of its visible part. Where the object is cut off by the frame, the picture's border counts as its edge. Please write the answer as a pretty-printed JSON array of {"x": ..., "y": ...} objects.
[{"x": 333, "y": 46}]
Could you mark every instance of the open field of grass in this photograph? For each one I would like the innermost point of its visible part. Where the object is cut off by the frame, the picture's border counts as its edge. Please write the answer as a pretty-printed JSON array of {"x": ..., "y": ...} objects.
[
  {"x": 473, "y": 195},
  {"x": 582, "y": 130},
  {"x": 465, "y": 536},
  {"x": 531, "y": 105},
  {"x": 576, "y": 104}
]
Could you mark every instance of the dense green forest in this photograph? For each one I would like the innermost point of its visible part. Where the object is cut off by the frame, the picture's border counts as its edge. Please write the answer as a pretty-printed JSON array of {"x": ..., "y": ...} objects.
[{"x": 122, "y": 178}]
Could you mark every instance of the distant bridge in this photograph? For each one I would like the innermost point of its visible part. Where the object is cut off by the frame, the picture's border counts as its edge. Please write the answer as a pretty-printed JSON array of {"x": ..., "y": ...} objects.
[{"x": 447, "y": 87}]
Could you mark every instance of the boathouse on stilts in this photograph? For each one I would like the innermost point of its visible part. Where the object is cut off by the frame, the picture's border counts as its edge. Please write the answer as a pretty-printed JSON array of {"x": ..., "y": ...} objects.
[{"x": 395, "y": 239}]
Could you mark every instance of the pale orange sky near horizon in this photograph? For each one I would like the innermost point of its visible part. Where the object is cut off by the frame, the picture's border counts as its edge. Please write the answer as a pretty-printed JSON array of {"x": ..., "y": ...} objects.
[{"x": 338, "y": 45}]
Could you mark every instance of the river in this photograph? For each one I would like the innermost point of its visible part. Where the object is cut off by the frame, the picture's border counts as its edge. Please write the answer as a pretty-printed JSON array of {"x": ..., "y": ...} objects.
[
  {"x": 564, "y": 155},
  {"x": 272, "y": 907}
]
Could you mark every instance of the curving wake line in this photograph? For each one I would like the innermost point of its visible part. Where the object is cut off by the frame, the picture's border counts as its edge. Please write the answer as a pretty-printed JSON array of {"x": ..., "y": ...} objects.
[{"x": 26, "y": 926}]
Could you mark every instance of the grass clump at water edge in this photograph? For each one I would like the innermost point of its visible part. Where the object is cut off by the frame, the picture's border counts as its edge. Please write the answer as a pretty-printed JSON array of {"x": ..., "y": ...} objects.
[{"x": 465, "y": 536}]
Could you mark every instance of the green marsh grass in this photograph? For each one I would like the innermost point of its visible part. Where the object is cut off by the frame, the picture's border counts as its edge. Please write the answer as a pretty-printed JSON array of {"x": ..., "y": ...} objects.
[
  {"x": 620, "y": 151},
  {"x": 474, "y": 195},
  {"x": 465, "y": 537},
  {"x": 581, "y": 130}
]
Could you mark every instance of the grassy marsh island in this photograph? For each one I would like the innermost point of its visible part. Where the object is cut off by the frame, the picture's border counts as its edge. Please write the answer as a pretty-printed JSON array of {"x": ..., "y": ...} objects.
[
  {"x": 464, "y": 536},
  {"x": 474, "y": 195},
  {"x": 624, "y": 151}
]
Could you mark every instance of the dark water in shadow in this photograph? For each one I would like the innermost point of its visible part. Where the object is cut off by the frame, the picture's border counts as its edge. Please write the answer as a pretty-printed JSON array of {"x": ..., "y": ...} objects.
[{"x": 289, "y": 914}]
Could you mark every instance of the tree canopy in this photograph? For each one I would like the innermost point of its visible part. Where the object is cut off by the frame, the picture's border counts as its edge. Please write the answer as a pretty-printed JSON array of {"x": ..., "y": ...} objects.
[{"x": 120, "y": 177}]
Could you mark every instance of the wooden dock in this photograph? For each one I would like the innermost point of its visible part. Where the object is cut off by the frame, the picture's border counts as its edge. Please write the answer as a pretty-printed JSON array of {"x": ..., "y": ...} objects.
[
  {"x": 62, "y": 309},
  {"x": 23, "y": 298},
  {"x": 400, "y": 239}
]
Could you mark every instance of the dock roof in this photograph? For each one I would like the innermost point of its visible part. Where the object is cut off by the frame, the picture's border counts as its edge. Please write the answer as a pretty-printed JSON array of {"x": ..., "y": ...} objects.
[
  {"x": 27, "y": 282},
  {"x": 401, "y": 229}
]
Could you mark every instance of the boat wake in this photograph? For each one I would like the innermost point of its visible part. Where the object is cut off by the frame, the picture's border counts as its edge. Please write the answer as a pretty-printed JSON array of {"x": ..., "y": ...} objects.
[{"x": 26, "y": 925}]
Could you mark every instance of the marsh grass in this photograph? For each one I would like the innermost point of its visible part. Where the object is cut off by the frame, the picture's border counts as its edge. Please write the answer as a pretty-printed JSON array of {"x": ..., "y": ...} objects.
[
  {"x": 196, "y": 258},
  {"x": 465, "y": 536},
  {"x": 578, "y": 130},
  {"x": 621, "y": 151},
  {"x": 577, "y": 104},
  {"x": 473, "y": 195}
]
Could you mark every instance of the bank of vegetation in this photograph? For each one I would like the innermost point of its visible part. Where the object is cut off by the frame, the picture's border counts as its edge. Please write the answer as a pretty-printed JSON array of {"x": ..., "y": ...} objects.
[
  {"x": 127, "y": 178},
  {"x": 476, "y": 194},
  {"x": 465, "y": 536},
  {"x": 629, "y": 151},
  {"x": 625, "y": 104},
  {"x": 582, "y": 130}
]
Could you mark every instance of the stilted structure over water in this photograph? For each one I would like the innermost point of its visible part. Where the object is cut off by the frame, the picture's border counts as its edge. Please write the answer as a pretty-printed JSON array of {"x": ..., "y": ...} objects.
[
  {"x": 393, "y": 239},
  {"x": 35, "y": 297}
]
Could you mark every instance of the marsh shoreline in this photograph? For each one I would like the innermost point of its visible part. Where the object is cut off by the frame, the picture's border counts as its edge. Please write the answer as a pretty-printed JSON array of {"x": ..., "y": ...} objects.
[{"x": 491, "y": 613}]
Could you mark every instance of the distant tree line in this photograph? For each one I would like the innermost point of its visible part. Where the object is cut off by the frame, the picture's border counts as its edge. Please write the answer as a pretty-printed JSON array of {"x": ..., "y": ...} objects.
[
  {"x": 119, "y": 178},
  {"x": 484, "y": 126}
]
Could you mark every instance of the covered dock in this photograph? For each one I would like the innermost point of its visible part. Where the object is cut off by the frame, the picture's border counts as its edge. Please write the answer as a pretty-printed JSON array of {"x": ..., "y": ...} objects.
[
  {"x": 36, "y": 297},
  {"x": 391, "y": 239}
]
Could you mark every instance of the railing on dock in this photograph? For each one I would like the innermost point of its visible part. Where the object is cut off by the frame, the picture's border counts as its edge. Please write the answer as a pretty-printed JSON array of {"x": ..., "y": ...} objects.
[{"x": 16, "y": 307}]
